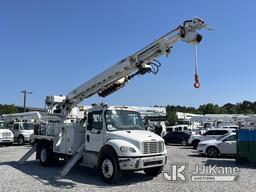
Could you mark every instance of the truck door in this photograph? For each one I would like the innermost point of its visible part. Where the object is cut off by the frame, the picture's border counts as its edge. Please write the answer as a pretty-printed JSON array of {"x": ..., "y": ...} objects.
[{"x": 94, "y": 132}]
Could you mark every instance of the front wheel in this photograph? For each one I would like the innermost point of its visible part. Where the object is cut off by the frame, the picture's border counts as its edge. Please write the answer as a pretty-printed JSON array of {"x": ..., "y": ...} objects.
[
  {"x": 212, "y": 152},
  {"x": 109, "y": 169},
  {"x": 20, "y": 140},
  {"x": 155, "y": 171}
]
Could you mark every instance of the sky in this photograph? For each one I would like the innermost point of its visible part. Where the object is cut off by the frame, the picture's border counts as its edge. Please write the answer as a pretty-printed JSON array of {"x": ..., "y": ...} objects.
[{"x": 51, "y": 47}]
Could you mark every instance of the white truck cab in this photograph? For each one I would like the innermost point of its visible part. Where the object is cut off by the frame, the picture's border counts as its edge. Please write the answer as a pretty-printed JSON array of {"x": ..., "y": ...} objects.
[
  {"x": 112, "y": 139},
  {"x": 6, "y": 136},
  {"x": 22, "y": 131}
]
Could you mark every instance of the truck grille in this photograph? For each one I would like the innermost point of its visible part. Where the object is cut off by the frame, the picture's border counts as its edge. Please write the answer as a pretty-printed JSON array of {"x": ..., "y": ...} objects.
[
  {"x": 152, "y": 147},
  {"x": 6, "y": 135}
]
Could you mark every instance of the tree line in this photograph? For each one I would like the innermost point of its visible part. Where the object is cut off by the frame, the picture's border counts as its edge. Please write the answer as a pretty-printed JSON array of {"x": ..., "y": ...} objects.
[
  {"x": 7, "y": 109},
  {"x": 245, "y": 107}
]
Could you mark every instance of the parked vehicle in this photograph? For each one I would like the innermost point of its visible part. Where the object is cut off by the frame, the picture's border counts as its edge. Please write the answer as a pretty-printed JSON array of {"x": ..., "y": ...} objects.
[
  {"x": 177, "y": 128},
  {"x": 112, "y": 139},
  {"x": 22, "y": 125},
  {"x": 177, "y": 137},
  {"x": 226, "y": 144},
  {"x": 6, "y": 136},
  {"x": 22, "y": 131},
  {"x": 210, "y": 134}
]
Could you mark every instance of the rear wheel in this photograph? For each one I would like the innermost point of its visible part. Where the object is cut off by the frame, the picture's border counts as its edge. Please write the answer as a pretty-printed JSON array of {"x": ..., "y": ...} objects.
[
  {"x": 109, "y": 169},
  {"x": 212, "y": 152},
  {"x": 45, "y": 155},
  {"x": 155, "y": 171}
]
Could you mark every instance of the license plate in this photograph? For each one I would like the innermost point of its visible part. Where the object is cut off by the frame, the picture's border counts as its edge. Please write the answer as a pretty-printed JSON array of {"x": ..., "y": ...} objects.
[{"x": 152, "y": 159}]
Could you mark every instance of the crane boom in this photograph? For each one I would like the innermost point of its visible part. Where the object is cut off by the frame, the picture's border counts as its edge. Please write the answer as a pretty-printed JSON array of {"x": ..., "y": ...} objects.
[{"x": 139, "y": 63}]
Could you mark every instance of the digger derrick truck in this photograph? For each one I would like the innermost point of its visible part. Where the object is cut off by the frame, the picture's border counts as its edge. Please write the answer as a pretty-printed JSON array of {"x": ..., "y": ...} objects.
[{"x": 112, "y": 139}]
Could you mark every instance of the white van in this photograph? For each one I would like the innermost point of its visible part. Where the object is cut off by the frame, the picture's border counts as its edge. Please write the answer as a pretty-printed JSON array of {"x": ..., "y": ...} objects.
[{"x": 177, "y": 128}]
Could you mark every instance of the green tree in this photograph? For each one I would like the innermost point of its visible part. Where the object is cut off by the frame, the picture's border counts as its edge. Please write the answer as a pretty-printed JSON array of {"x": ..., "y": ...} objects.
[
  {"x": 171, "y": 117},
  {"x": 246, "y": 107},
  {"x": 210, "y": 108},
  {"x": 230, "y": 108},
  {"x": 7, "y": 109}
]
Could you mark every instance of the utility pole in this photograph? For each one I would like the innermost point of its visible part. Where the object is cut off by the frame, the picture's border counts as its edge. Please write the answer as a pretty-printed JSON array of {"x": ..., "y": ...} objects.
[{"x": 25, "y": 92}]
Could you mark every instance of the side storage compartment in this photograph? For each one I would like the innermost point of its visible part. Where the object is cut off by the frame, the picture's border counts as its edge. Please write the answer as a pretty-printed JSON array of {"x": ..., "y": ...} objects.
[{"x": 69, "y": 138}]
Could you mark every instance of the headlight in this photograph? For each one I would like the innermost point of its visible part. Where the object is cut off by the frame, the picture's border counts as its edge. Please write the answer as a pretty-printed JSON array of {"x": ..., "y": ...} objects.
[
  {"x": 201, "y": 145},
  {"x": 126, "y": 149}
]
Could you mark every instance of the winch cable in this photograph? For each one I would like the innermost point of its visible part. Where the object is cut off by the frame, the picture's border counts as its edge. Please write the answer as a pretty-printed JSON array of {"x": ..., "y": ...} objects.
[{"x": 197, "y": 83}]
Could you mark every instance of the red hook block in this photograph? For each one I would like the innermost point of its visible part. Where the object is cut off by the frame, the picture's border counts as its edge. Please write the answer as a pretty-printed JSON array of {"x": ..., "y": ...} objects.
[{"x": 197, "y": 83}]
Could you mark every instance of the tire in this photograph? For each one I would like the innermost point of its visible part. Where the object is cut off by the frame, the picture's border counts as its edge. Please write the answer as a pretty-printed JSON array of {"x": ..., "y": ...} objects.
[
  {"x": 195, "y": 144},
  {"x": 183, "y": 142},
  {"x": 109, "y": 169},
  {"x": 212, "y": 152},
  {"x": 45, "y": 155},
  {"x": 153, "y": 172},
  {"x": 20, "y": 140}
]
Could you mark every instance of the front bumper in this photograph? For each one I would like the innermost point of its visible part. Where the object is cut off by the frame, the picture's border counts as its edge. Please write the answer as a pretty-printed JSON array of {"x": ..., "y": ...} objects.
[
  {"x": 6, "y": 140},
  {"x": 201, "y": 149},
  {"x": 139, "y": 163}
]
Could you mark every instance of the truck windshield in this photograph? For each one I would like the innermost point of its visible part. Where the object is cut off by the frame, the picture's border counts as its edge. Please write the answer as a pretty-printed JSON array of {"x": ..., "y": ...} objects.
[
  {"x": 117, "y": 120},
  {"x": 27, "y": 126}
]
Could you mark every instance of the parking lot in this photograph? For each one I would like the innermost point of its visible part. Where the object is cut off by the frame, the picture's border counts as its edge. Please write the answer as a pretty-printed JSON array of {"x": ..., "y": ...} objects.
[{"x": 32, "y": 177}]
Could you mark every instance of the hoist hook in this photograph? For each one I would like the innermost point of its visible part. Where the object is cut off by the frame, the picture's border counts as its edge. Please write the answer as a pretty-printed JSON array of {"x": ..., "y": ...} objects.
[{"x": 197, "y": 83}]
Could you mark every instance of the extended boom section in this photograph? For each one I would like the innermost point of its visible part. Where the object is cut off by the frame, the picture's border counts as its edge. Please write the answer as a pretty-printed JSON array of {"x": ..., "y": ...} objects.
[{"x": 117, "y": 76}]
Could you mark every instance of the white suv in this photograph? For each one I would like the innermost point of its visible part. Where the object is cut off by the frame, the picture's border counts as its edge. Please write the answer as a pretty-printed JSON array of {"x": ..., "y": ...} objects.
[
  {"x": 226, "y": 144},
  {"x": 210, "y": 134}
]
